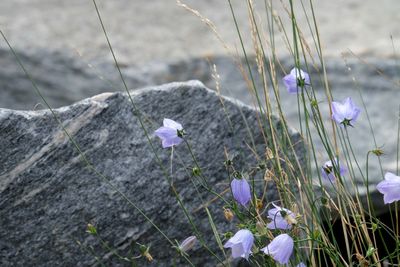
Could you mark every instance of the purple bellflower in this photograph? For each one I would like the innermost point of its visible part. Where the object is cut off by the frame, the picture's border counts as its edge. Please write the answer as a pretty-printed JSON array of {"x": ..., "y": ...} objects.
[
  {"x": 345, "y": 113},
  {"x": 280, "y": 249},
  {"x": 296, "y": 79},
  {"x": 390, "y": 188},
  {"x": 171, "y": 133},
  {"x": 328, "y": 172},
  {"x": 281, "y": 218},
  {"x": 241, "y": 244},
  {"x": 241, "y": 191},
  {"x": 301, "y": 264}
]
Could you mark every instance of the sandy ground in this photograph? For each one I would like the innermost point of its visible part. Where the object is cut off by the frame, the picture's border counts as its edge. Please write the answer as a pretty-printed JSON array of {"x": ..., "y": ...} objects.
[{"x": 159, "y": 30}]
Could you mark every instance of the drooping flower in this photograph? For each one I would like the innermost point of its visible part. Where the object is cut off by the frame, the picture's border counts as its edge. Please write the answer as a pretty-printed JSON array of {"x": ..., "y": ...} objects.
[
  {"x": 295, "y": 80},
  {"x": 241, "y": 244},
  {"x": 328, "y": 172},
  {"x": 241, "y": 191},
  {"x": 280, "y": 249},
  {"x": 390, "y": 188},
  {"x": 281, "y": 218},
  {"x": 188, "y": 243},
  {"x": 171, "y": 133},
  {"x": 345, "y": 113},
  {"x": 301, "y": 264}
]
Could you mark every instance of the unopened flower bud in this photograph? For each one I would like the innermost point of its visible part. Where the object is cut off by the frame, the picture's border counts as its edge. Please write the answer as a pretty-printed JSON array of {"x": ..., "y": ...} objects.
[
  {"x": 269, "y": 155},
  {"x": 268, "y": 176},
  {"x": 259, "y": 204},
  {"x": 378, "y": 152},
  {"x": 145, "y": 252},
  {"x": 374, "y": 227},
  {"x": 241, "y": 191},
  {"x": 188, "y": 243},
  {"x": 91, "y": 229},
  {"x": 261, "y": 166},
  {"x": 370, "y": 251},
  {"x": 228, "y": 214},
  {"x": 228, "y": 162},
  {"x": 196, "y": 171}
]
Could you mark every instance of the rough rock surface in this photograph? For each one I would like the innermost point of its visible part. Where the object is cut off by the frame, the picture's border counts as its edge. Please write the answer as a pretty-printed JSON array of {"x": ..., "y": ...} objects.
[{"x": 48, "y": 195}]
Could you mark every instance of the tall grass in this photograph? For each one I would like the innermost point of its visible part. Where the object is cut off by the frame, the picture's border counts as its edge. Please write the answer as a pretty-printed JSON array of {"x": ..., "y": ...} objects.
[{"x": 319, "y": 205}]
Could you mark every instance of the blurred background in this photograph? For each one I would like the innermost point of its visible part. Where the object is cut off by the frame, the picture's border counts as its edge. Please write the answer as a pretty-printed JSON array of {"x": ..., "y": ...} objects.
[
  {"x": 142, "y": 31},
  {"x": 62, "y": 45},
  {"x": 58, "y": 36}
]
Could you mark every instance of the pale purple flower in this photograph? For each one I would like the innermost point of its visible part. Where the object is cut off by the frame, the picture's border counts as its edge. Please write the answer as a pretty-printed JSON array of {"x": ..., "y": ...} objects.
[
  {"x": 280, "y": 249},
  {"x": 241, "y": 191},
  {"x": 295, "y": 80},
  {"x": 279, "y": 218},
  {"x": 241, "y": 244},
  {"x": 390, "y": 188},
  {"x": 328, "y": 172},
  {"x": 188, "y": 243},
  {"x": 345, "y": 113},
  {"x": 170, "y": 133},
  {"x": 301, "y": 264}
]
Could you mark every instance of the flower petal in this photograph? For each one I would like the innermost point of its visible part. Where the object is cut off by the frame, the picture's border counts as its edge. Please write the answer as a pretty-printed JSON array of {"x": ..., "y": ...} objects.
[
  {"x": 173, "y": 141},
  {"x": 338, "y": 112},
  {"x": 172, "y": 124},
  {"x": 391, "y": 177},
  {"x": 291, "y": 80},
  {"x": 290, "y": 83},
  {"x": 346, "y": 110},
  {"x": 280, "y": 249},
  {"x": 390, "y": 188},
  {"x": 166, "y": 132},
  {"x": 241, "y": 244},
  {"x": 278, "y": 222}
]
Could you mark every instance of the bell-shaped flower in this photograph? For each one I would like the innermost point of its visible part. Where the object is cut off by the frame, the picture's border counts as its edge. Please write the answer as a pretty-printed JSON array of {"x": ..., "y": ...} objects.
[
  {"x": 241, "y": 191},
  {"x": 296, "y": 80},
  {"x": 241, "y": 244},
  {"x": 281, "y": 218},
  {"x": 345, "y": 113},
  {"x": 188, "y": 243},
  {"x": 301, "y": 264},
  {"x": 280, "y": 249},
  {"x": 328, "y": 172},
  {"x": 171, "y": 133},
  {"x": 390, "y": 188}
]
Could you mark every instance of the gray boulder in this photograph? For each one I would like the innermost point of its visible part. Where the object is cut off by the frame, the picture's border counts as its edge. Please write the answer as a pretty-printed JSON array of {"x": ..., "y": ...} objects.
[{"x": 48, "y": 194}]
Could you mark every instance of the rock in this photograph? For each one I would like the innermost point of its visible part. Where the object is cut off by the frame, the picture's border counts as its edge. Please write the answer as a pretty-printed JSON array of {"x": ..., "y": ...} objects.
[
  {"x": 65, "y": 79},
  {"x": 48, "y": 194},
  {"x": 62, "y": 79}
]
